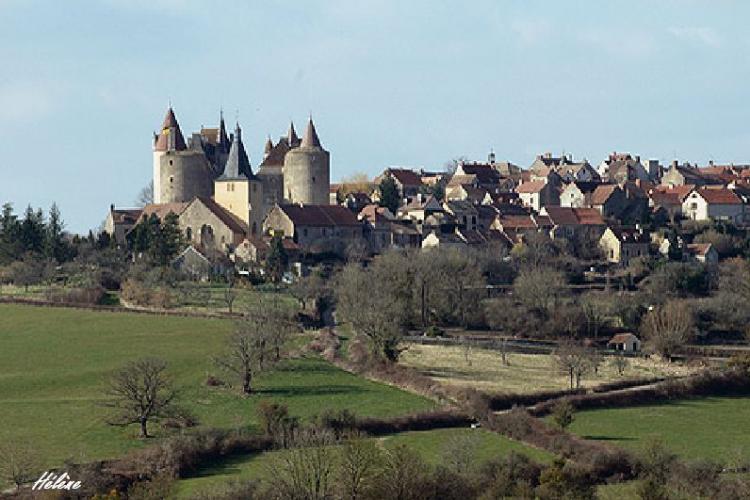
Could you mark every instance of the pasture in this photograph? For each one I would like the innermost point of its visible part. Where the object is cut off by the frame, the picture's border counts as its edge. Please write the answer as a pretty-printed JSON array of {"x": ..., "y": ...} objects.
[
  {"x": 483, "y": 369},
  {"x": 715, "y": 428},
  {"x": 432, "y": 446},
  {"x": 55, "y": 364}
]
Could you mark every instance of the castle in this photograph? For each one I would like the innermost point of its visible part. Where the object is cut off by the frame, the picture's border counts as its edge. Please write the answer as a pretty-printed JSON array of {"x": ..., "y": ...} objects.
[{"x": 214, "y": 164}]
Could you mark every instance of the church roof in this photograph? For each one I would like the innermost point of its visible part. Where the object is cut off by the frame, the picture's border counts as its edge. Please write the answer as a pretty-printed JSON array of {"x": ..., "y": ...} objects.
[
  {"x": 311, "y": 139},
  {"x": 238, "y": 163},
  {"x": 170, "y": 127}
]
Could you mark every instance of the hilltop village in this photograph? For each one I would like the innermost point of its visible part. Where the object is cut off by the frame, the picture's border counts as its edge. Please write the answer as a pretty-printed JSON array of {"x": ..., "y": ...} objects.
[{"x": 622, "y": 208}]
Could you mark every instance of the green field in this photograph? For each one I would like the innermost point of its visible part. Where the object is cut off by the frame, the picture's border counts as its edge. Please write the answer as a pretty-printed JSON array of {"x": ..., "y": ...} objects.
[
  {"x": 716, "y": 428},
  {"x": 431, "y": 445},
  {"x": 54, "y": 364}
]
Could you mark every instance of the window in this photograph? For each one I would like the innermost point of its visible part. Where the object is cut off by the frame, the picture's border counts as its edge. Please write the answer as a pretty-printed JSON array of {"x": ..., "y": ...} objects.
[
  {"x": 171, "y": 162},
  {"x": 189, "y": 233},
  {"x": 171, "y": 179}
]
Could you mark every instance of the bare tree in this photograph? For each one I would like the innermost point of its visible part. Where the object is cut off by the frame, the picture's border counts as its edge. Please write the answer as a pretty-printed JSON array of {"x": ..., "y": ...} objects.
[
  {"x": 539, "y": 289},
  {"x": 18, "y": 463},
  {"x": 575, "y": 361},
  {"x": 230, "y": 294},
  {"x": 145, "y": 195},
  {"x": 451, "y": 165},
  {"x": 460, "y": 451},
  {"x": 247, "y": 351},
  {"x": 305, "y": 471},
  {"x": 668, "y": 327},
  {"x": 360, "y": 461},
  {"x": 620, "y": 363},
  {"x": 141, "y": 392}
]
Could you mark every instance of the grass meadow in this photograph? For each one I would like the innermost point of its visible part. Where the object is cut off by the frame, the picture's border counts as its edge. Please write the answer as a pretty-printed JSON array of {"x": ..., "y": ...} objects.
[
  {"x": 55, "y": 363},
  {"x": 715, "y": 428},
  {"x": 483, "y": 369},
  {"x": 432, "y": 446}
]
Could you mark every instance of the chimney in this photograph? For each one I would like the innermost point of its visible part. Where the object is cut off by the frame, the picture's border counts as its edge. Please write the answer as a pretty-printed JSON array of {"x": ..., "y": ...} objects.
[
  {"x": 711, "y": 163},
  {"x": 112, "y": 207},
  {"x": 637, "y": 158}
]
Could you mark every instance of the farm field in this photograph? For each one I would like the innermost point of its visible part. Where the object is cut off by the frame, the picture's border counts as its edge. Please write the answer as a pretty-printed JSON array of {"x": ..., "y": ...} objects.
[
  {"x": 714, "y": 428},
  {"x": 55, "y": 363},
  {"x": 483, "y": 369},
  {"x": 431, "y": 445}
]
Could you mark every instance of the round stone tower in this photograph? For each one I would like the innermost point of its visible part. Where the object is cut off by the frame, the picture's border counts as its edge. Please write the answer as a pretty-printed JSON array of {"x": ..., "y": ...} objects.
[
  {"x": 180, "y": 174},
  {"x": 307, "y": 171}
]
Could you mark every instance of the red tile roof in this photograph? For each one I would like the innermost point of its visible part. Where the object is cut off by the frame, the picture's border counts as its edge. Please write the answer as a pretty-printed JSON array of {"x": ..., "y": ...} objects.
[
  {"x": 320, "y": 215},
  {"x": 405, "y": 176},
  {"x": 170, "y": 125},
  {"x": 566, "y": 216},
  {"x": 531, "y": 187},
  {"x": 602, "y": 193},
  {"x": 721, "y": 196}
]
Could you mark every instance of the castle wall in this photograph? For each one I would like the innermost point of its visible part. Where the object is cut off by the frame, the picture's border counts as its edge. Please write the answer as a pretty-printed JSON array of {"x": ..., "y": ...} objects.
[
  {"x": 182, "y": 176},
  {"x": 307, "y": 176}
]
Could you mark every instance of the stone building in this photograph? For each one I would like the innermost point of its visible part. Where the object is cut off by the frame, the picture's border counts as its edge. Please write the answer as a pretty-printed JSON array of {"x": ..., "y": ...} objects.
[
  {"x": 238, "y": 190},
  {"x": 307, "y": 171},
  {"x": 180, "y": 173}
]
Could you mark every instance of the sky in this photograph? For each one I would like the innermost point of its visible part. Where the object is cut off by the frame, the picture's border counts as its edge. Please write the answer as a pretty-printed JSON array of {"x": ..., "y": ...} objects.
[{"x": 84, "y": 84}]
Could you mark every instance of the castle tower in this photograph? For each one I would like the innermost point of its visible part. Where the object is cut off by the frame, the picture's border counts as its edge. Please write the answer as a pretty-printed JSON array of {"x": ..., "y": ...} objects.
[
  {"x": 237, "y": 189},
  {"x": 180, "y": 174},
  {"x": 307, "y": 170}
]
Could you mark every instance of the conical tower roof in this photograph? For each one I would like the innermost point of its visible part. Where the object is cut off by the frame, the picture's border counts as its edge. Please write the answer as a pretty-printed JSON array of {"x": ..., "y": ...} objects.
[
  {"x": 238, "y": 163},
  {"x": 170, "y": 136},
  {"x": 291, "y": 135},
  {"x": 268, "y": 147},
  {"x": 311, "y": 139},
  {"x": 223, "y": 138}
]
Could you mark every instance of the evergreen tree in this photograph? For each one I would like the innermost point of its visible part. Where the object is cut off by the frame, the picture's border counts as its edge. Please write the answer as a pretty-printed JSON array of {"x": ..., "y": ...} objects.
[
  {"x": 54, "y": 245},
  {"x": 168, "y": 240},
  {"x": 10, "y": 248},
  {"x": 32, "y": 231},
  {"x": 389, "y": 194},
  {"x": 277, "y": 260}
]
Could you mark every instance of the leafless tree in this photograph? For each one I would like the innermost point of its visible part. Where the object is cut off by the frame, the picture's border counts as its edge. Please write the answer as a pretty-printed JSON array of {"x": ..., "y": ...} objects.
[
  {"x": 575, "y": 361},
  {"x": 247, "y": 352},
  {"x": 668, "y": 327},
  {"x": 594, "y": 309},
  {"x": 306, "y": 470},
  {"x": 18, "y": 462},
  {"x": 620, "y": 363},
  {"x": 539, "y": 289},
  {"x": 451, "y": 165},
  {"x": 145, "y": 195},
  {"x": 230, "y": 294},
  {"x": 141, "y": 392},
  {"x": 460, "y": 451},
  {"x": 360, "y": 463}
]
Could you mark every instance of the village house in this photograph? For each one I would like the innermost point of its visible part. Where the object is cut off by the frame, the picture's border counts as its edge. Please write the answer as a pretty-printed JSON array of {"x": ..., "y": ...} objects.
[
  {"x": 713, "y": 204},
  {"x": 464, "y": 212},
  {"x": 120, "y": 221},
  {"x": 625, "y": 342},
  {"x": 419, "y": 208},
  {"x": 702, "y": 252},
  {"x": 538, "y": 194},
  {"x": 408, "y": 181},
  {"x": 255, "y": 249},
  {"x": 577, "y": 194},
  {"x": 609, "y": 200},
  {"x": 680, "y": 175},
  {"x": 211, "y": 227},
  {"x": 309, "y": 224},
  {"x": 620, "y": 245},
  {"x": 570, "y": 223},
  {"x": 578, "y": 172}
]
